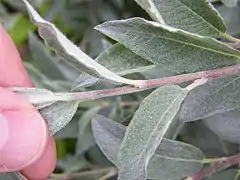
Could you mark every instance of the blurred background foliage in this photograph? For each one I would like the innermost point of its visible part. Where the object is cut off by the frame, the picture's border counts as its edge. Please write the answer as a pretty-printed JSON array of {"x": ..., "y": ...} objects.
[{"x": 78, "y": 155}]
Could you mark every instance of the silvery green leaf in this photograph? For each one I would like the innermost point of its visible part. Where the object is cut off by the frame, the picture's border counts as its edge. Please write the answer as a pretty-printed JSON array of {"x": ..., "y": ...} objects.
[
  {"x": 87, "y": 117},
  {"x": 85, "y": 135},
  {"x": 157, "y": 72},
  {"x": 121, "y": 60},
  {"x": 11, "y": 176},
  {"x": 72, "y": 164},
  {"x": 36, "y": 76},
  {"x": 84, "y": 80},
  {"x": 230, "y": 3},
  {"x": 225, "y": 125},
  {"x": 172, "y": 160},
  {"x": 198, "y": 17},
  {"x": 106, "y": 44},
  {"x": 171, "y": 48},
  {"x": 85, "y": 141},
  {"x": 40, "y": 98},
  {"x": 19, "y": 5},
  {"x": 59, "y": 114},
  {"x": 43, "y": 59},
  {"x": 230, "y": 16},
  {"x": 71, "y": 53},
  {"x": 117, "y": 59},
  {"x": 231, "y": 174},
  {"x": 85, "y": 138},
  {"x": 68, "y": 132},
  {"x": 215, "y": 97},
  {"x": 174, "y": 129},
  {"x": 197, "y": 134},
  {"x": 146, "y": 130},
  {"x": 150, "y": 7}
]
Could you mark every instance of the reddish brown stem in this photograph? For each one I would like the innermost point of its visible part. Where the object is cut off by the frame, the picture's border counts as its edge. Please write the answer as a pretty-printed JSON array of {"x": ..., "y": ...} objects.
[
  {"x": 209, "y": 171},
  {"x": 148, "y": 84}
]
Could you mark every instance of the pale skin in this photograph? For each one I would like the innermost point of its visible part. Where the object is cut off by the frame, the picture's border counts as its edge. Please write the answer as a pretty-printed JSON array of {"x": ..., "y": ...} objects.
[{"x": 25, "y": 144}]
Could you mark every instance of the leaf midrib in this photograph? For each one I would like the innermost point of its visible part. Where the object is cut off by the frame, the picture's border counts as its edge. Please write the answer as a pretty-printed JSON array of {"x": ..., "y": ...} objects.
[
  {"x": 185, "y": 43},
  {"x": 179, "y": 159},
  {"x": 194, "y": 12},
  {"x": 216, "y": 92},
  {"x": 153, "y": 132}
]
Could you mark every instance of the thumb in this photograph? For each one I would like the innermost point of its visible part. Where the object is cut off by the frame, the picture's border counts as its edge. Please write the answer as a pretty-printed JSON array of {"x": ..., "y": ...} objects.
[{"x": 24, "y": 133}]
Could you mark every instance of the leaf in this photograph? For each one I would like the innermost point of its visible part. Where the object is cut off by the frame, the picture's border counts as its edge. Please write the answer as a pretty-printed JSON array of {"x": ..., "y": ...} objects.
[
  {"x": 146, "y": 130},
  {"x": 230, "y": 16},
  {"x": 83, "y": 81},
  {"x": 173, "y": 49},
  {"x": 230, "y": 3},
  {"x": 85, "y": 137},
  {"x": 231, "y": 174},
  {"x": 87, "y": 116},
  {"x": 11, "y": 176},
  {"x": 151, "y": 9},
  {"x": 121, "y": 60},
  {"x": 85, "y": 141},
  {"x": 43, "y": 59},
  {"x": 117, "y": 59},
  {"x": 59, "y": 114},
  {"x": 40, "y": 98},
  {"x": 71, "y": 164},
  {"x": 225, "y": 125},
  {"x": 163, "y": 164},
  {"x": 193, "y": 16},
  {"x": 66, "y": 49},
  {"x": 68, "y": 132},
  {"x": 215, "y": 97},
  {"x": 198, "y": 135}
]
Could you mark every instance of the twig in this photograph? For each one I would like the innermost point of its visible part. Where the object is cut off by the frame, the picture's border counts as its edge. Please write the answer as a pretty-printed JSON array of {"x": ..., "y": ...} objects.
[
  {"x": 209, "y": 171},
  {"x": 82, "y": 174},
  {"x": 109, "y": 175},
  {"x": 198, "y": 78},
  {"x": 148, "y": 84}
]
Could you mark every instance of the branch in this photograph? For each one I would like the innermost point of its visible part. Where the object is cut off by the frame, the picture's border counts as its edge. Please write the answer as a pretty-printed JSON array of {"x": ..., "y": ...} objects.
[
  {"x": 80, "y": 175},
  {"x": 209, "y": 171},
  {"x": 148, "y": 84}
]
